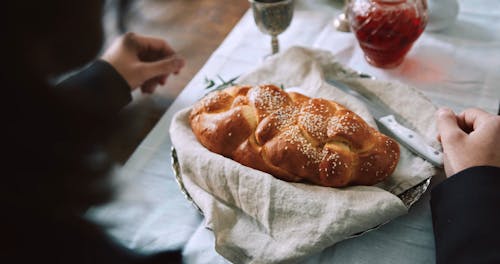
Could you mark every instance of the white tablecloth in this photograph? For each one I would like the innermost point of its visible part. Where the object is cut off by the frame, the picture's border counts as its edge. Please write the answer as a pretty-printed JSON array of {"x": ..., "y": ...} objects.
[{"x": 457, "y": 68}]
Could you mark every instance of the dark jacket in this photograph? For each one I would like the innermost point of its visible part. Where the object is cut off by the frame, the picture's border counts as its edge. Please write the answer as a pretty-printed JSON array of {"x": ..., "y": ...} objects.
[
  {"x": 56, "y": 140},
  {"x": 466, "y": 217}
]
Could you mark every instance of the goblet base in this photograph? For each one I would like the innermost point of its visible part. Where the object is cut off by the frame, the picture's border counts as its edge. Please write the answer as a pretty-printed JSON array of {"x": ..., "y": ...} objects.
[{"x": 386, "y": 64}]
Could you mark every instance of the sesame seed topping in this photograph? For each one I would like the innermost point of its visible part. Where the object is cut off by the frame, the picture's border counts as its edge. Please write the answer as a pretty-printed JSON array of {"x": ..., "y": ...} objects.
[{"x": 310, "y": 125}]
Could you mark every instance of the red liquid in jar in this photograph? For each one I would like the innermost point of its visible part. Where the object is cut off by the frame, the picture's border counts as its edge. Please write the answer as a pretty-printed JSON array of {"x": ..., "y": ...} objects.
[{"x": 387, "y": 33}]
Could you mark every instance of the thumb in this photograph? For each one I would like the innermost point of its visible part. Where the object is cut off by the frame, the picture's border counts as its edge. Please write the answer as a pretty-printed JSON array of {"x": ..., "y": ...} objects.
[
  {"x": 162, "y": 67},
  {"x": 449, "y": 130}
]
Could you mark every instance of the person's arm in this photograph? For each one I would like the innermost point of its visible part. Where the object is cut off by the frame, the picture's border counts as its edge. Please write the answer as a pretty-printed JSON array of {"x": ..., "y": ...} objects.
[
  {"x": 466, "y": 216},
  {"x": 133, "y": 61},
  {"x": 99, "y": 86},
  {"x": 465, "y": 207}
]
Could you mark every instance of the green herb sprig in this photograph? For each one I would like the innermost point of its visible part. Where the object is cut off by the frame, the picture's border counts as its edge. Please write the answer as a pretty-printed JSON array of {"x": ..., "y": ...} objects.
[{"x": 212, "y": 85}]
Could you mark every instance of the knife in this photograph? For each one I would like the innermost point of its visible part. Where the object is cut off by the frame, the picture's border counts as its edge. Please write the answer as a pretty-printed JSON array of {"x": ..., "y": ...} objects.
[{"x": 386, "y": 118}]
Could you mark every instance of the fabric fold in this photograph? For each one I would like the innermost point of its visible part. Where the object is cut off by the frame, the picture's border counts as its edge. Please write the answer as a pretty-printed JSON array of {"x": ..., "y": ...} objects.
[{"x": 257, "y": 218}]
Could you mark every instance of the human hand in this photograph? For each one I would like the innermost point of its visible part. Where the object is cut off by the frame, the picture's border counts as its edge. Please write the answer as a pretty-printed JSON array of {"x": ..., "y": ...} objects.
[
  {"x": 469, "y": 139},
  {"x": 143, "y": 61}
]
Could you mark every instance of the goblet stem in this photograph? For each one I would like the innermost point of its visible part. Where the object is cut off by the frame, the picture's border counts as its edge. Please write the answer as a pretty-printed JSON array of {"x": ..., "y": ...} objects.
[
  {"x": 341, "y": 22},
  {"x": 275, "y": 44}
]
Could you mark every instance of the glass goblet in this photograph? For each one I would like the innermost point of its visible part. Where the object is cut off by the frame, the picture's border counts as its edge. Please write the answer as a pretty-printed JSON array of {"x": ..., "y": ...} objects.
[{"x": 272, "y": 18}]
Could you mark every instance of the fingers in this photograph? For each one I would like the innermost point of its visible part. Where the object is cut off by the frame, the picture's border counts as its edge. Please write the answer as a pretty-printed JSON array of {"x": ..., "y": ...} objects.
[
  {"x": 449, "y": 130},
  {"x": 163, "y": 79},
  {"x": 150, "y": 85},
  {"x": 472, "y": 118},
  {"x": 162, "y": 67},
  {"x": 150, "y": 44},
  {"x": 143, "y": 61}
]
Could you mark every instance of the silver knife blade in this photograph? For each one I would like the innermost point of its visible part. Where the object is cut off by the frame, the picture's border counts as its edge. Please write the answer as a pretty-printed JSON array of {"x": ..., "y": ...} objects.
[
  {"x": 377, "y": 108},
  {"x": 403, "y": 133}
]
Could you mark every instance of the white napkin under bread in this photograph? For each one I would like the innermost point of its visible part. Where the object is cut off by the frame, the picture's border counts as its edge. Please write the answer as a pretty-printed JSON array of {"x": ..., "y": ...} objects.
[{"x": 257, "y": 218}]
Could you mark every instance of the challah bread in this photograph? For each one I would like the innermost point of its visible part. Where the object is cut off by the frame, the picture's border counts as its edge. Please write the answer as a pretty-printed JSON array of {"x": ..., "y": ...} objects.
[{"x": 293, "y": 137}]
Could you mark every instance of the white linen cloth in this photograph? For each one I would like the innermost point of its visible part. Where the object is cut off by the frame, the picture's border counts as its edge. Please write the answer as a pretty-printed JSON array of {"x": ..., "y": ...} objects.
[{"x": 257, "y": 218}]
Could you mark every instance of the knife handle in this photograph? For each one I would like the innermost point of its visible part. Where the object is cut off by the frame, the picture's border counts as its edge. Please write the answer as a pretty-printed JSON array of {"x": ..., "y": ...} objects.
[{"x": 412, "y": 140}]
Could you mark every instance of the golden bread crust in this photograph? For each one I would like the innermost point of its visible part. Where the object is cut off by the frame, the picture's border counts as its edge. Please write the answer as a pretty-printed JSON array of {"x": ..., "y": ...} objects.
[{"x": 293, "y": 137}]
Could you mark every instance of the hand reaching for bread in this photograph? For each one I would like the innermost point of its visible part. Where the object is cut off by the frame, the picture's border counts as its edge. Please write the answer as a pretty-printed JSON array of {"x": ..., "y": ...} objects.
[{"x": 293, "y": 137}]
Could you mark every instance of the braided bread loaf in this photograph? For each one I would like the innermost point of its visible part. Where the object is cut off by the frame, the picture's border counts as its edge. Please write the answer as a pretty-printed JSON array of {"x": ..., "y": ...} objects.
[{"x": 293, "y": 137}]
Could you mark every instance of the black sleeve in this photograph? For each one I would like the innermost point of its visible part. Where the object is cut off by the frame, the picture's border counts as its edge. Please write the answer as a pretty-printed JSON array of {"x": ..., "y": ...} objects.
[
  {"x": 466, "y": 217},
  {"x": 99, "y": 87}
]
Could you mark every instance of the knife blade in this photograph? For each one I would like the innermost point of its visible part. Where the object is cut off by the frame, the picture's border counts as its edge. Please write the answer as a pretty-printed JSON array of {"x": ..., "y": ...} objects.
[{"x": 385, "y": 117}]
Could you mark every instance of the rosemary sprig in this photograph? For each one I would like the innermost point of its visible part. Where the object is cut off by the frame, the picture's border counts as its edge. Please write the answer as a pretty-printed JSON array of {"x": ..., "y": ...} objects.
[
  {"x": 209, "y": 83},
  {"x": 213, "y": 86}
]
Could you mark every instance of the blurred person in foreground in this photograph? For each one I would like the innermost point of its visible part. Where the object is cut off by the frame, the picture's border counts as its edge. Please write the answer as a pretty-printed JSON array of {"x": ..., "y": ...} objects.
[
  {"x": 466, "y": 206},
  {"x": 61, "y": 140}
]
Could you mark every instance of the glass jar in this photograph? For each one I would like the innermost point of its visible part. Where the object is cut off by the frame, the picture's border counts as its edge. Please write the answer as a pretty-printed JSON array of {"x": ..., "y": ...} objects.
[{"x": 387, "y": 29}]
